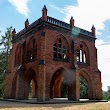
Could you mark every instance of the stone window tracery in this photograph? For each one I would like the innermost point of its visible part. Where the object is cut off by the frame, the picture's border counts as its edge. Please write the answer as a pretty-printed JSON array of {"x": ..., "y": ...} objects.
[
  {"x": 82, "y": 53},
  {"x": 60, "y": 49}
]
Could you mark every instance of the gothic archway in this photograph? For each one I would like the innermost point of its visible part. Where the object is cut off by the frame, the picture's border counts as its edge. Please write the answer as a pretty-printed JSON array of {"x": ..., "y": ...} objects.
[
  {"x": 58, "y": 79},
  {"x": 30, "y": 84},
  {"x": 84, "y": 74}
]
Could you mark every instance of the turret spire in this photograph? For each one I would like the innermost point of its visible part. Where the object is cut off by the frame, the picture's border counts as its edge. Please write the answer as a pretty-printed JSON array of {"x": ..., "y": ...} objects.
[
  {"x": 44, "y": 13},
  {"x": 93, "y": 30},
  {"x": 72, "y": 22}
]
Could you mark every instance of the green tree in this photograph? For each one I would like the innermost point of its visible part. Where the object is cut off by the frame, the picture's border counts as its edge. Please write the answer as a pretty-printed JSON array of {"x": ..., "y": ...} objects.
[
  {"x": 83, "y": 88},
  {"x": 2, "y": 65},
  {"x": 106, "y": 94},
  {"x": 5, "y": 46}
]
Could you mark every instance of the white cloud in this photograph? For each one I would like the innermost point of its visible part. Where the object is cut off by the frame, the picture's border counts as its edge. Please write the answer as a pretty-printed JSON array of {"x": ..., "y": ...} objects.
[
  {"x": 21, "y": 6},
  {"x": 104, "y": 62},
  {"x": 57, "y": 8},
  {"x": 87, "y": 13}
]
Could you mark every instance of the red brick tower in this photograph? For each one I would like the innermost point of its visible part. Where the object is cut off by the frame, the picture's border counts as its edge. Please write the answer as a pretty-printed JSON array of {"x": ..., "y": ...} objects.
[{"x": 48, "y": 51}]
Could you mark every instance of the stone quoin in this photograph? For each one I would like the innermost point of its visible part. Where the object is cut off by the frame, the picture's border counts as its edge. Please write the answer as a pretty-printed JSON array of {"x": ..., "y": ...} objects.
[{"x": 45, "y": 53}]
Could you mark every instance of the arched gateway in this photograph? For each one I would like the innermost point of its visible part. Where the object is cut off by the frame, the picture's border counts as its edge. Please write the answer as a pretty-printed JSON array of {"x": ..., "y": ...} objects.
[{"x": 48, "y": 56}]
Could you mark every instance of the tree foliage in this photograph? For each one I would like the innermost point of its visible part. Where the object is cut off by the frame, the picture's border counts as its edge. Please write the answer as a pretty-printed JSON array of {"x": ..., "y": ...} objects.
[
  {"x": 83, "y": 88},
  {"x": 106, "y": 94},
  {"x": 5, "y": 46}
]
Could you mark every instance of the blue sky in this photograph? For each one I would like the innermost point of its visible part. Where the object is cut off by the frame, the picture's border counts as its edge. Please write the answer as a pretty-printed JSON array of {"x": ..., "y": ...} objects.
[{"x": 85, "y": 13}]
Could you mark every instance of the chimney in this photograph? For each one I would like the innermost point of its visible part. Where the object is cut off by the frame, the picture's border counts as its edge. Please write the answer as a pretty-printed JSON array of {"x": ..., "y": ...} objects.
[
  {"x": 44, "y": 13},
  {"x": 13, "y": 33},
  {"x": 93, "y": 31},
  {"x": 26, "y": 24},
  {"x": 72, "y": 22}
]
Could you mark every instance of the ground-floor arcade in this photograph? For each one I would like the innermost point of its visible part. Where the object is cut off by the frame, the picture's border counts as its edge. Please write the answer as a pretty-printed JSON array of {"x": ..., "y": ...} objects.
[{"x": 28, "y": 84}]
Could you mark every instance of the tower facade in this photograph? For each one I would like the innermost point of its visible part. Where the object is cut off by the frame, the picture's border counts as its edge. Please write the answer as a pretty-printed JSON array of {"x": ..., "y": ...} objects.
[{"x": 47, "y": 52}]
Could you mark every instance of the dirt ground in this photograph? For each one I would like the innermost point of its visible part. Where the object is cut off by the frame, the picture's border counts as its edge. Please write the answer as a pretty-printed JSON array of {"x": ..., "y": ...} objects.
[{"x": 5, "y": 105}]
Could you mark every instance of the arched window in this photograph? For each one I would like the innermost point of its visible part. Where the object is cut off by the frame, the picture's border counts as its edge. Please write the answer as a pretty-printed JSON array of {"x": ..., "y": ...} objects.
[
  {"x": 60, "y": 50},
  {"x": 32, "y": 50},
  {"x": 18, "y": 55},
  {"x": 82, "y": 53}
]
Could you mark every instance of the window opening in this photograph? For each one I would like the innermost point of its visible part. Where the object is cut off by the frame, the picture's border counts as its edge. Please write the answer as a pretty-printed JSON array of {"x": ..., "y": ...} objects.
[
  {"x": 59, "y": 49},
  {"x": 81, "y": 55},
  {"x": 84, "y": 57}
]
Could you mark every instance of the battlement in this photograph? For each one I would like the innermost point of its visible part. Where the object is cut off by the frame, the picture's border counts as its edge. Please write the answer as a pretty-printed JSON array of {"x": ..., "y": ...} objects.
[{"x": 58, "y": 23}]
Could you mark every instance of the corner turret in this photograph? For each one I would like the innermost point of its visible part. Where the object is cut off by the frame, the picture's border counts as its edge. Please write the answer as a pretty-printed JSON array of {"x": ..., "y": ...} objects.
[
  {"x": 26, "y": 24},
  {"x": 13, "y": 33},
  {"x": 72, "y": 22},
  {"x": 93, "y": 31},
  {"x": 44, "y": 13}
]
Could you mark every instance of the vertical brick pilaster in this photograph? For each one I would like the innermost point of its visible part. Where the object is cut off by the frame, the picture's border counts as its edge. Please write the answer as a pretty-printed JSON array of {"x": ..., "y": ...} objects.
[
  {"x": 20, "y": 86},
  {"x": 73, "y": 87},
  {"x": 41, "y": 84},
  {"x": 7, "y": 86},
  {"x": 41, "y": 72}
]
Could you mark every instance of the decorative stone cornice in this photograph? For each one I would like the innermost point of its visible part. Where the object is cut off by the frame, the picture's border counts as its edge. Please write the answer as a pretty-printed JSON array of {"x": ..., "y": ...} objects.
[{"x": 56, "y": 25}]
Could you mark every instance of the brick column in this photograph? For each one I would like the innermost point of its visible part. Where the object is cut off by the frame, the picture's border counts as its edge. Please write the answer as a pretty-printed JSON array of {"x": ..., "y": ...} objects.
[
  {"x": 20, "y": 85},
  {"x": 73, "y": 86},
  {"x": 47, "y": 85},
  {"x": 98, "y": 85},
  {"x": 7, "y": 86},
  {"x": 41, "y": 84},
  {"x": 41, "y": 71}
]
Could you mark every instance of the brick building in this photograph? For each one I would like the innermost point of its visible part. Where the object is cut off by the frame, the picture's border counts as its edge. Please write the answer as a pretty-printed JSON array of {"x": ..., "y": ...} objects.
[{"x": 48, "y": 51}]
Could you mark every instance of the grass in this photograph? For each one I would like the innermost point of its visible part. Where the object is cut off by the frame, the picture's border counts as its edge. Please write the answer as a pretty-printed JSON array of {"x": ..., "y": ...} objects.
[{"x": 4, "y": 105}]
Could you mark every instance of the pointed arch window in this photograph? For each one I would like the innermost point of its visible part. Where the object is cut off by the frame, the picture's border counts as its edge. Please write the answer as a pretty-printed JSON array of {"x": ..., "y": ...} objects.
[
  {"x": 82, "y": 54},
  {"x": 32, "y": 50},
  {"x": 60, "y": 50}
]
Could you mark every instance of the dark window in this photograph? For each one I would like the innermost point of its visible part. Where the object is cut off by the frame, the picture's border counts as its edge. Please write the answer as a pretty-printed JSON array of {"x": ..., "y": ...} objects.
[{"x": 32, "y": 51}]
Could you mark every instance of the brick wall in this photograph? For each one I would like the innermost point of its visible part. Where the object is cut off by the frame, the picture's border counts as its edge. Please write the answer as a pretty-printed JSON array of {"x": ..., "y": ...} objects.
[{"x": 45, "y": 70}]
